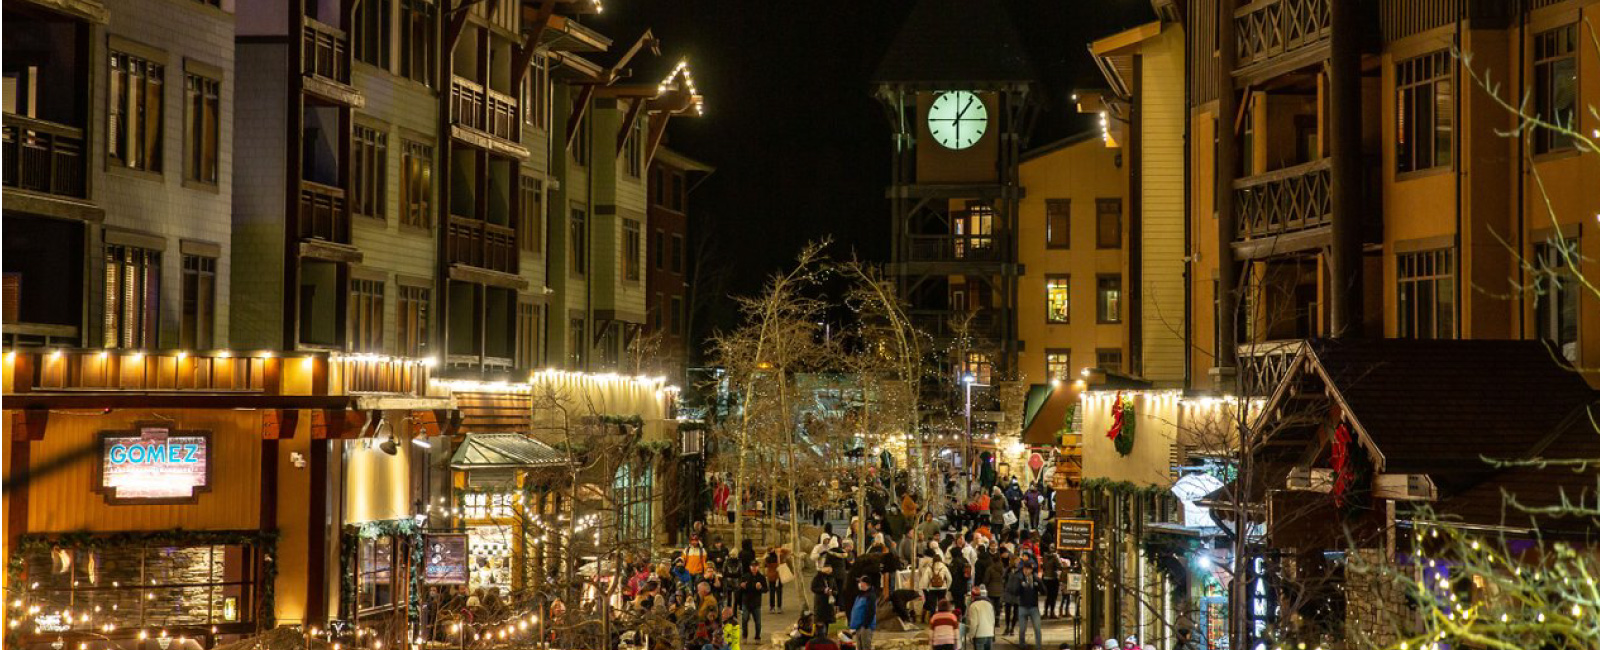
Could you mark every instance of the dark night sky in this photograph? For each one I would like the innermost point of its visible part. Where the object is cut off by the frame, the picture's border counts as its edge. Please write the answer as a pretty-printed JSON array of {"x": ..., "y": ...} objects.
[{"x": 800, "y": 145}]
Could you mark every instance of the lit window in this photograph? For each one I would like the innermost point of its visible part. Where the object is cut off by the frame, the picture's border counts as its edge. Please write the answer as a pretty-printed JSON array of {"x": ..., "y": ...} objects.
[
  {"x": 1108, "y": 298},
  {"x": 1058, "y": 364},
  {"x": 1058, "y": 299}
]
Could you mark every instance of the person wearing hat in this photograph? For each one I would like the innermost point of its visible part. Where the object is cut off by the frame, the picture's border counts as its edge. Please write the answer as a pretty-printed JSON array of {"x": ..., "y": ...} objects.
[
  {"x": 822, "y": 593},
  {"x": 1111, "y": 644},
  {"x": 864, "y": 613},
  {"x": 980, "y": 619},
  {"x": 1130, "y": 643}
]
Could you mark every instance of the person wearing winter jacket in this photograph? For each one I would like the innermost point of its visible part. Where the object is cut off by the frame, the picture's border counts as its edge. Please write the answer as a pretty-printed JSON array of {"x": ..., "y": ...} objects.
[
  {"x": 943, "y": 627},
  {"x": 1024, "y": 592},
  {"x": 822, "y": 593},
  {"x": 980, "y": 620},
  {"x": 1032, "y": 501},
  {"x": 997, "y": 509},
  {"x": 933, "y": 579},
  {"x": 864, "y": 614}
]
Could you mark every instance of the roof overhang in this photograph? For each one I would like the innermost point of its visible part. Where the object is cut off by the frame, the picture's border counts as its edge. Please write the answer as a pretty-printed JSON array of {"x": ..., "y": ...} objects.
[
  {"x": 562, "y": 34},
  {"x": 504, "y": 451}
]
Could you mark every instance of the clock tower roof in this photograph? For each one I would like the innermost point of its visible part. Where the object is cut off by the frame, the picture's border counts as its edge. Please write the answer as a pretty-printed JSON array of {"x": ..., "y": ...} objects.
[{"x": 950, "y": 44}]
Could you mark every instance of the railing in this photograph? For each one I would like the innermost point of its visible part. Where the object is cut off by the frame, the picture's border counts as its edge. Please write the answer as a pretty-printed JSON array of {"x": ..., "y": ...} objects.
[
  {"x": 942, "y": 324},
  {"x": 44, "y": 157},
  {"x": 325, "y": 52},
  {"x": 481, "y": 244},
  {"x": 109, "y": 370},
  {"x": 363, "y": 374},
  {"x": 1262, "y": 366},
  {"x": 41, "y": 335},
  {"x": 1273, "y": 28},
  {"x": 323, "y": 213},
  {"x": 505, "y": 14},
  {"x": 954, "y": 248},
  {"x": 489, "y": 111},
  {"x": 1285, "y": 200}
]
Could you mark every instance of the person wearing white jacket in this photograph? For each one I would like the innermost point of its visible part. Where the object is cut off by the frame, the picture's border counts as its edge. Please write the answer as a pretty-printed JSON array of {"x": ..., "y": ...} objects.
[
  {"x": 933, "y": 579},
  {"x": 980, "y": 620}
]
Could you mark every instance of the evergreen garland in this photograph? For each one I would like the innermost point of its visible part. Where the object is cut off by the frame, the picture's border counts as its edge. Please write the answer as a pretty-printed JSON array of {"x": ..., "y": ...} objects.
[
  {"x": 349, "y": 546},
  {"x": 1124, "y": 440}
]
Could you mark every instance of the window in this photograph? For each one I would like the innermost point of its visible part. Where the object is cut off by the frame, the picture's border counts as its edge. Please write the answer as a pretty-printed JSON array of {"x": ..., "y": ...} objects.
[
  {"x": 1555, "y": 86},
  {"x": 578, "y": 242},
  {"x": 486, "y": 506},
  {"x": 1108, "y": 223},
  {"x": 635, "y": 502},
  {"x": 1058, "y": 298},
  {"x": 611, "y": 346},
  {"x": 133, "y": 297},
  {"x": 1108, "y": 359},
  {"x": 979, "y": 366},
  {"x": 1556, "y": 295},
  {"x": 321, "y": 294},
  {"x": 580, "y": 145},
  {"x": 534, "y": 91},
  {"x": 635, "y": 149},
  {"x": 1108, "y": 298},
  {"x": 198, "y": 321},
  {"x": 416, "y": 184},
  {"x": 677, "y": 316},
  {"x": 375, "y": 572},
  {"x": 1424, "y": 112},
  {"x": 975, "y": 231},
  {"x": 577, "y": 345},
  {"x": 527, "y": 353},
  {"x": 530, "y": 228},
  {"x": 418, "y": 46},
  {"x": 1427, "y": 294},
  {"x": 677, "y": 253},
  {"x": 181, "y": 586},
  {"x": 655, "y": 313},
  {"x": 675, "y": 193},
  {"x": 370, "y": 155},
  {"x": 631, "y": 255},
  {"x": 200, "y": 128},
  {"x": 370, "y": 32},
  {"x": 133, "y": 137},
  {"x": 412, "y": 327},
  {"x": 366, "y": 315},
  {"x": 1058, "y": 364},
  {"x": 657, "y": 249},
  {"x": 1058, "y": 223}
]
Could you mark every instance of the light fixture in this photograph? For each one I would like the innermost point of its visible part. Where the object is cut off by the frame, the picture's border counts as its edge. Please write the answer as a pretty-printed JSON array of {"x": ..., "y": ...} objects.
[
  {"x": 385, "y": 431},
  {"x": 420, "y": 442},
  {"x": 968, "y": 378}
]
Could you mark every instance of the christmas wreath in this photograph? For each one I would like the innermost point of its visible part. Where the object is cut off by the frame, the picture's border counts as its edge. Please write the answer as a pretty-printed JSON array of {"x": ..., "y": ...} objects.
[
  {"x": 1352, "y": 471},
  {"x": 1121, "y": 433}
]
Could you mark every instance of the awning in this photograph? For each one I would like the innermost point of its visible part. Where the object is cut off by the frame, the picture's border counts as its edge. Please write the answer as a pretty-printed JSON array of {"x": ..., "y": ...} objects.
[
  {"x": 1050, "y": 416},
  {"x": 504, "y": 450}
]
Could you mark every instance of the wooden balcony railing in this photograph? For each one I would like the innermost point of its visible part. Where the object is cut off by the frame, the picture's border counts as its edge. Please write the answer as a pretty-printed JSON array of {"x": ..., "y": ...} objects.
[
  {"x": 323, "y": 213},
  {"x": 110, "y": 370},
  {"x": 20, "y": 335},
  {"x": 1267, "y": 29},
  {"x": 44, "y": 157},
  {"x": 325, "y": 52},
  {"x": 481, "y": 244},
  {"x": 505, "y": 15},
  {"x": 954, "y": 248},
  {"x": 944, "y": 324},
  {"x": 1262, "y": 366},
  {"x": 489, "y": 111},
  {"x": 372, "y": 374},
  {"x": 1285, "y": 200}
]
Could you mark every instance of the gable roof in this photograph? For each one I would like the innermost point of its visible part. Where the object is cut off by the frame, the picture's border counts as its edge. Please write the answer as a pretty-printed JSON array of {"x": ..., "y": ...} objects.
[
  {"x": 949, "y": 43},
  {"x": 504, "y": 450}
]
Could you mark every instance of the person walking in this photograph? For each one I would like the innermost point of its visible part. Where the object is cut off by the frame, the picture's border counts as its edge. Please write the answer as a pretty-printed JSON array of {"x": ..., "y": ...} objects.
[
  {"x": 1050, "y": 575},
  {"x": 933, "y": 578},
  {"x": 751, "y": 587},
  {"x": 822, "y": 595},
  {"x": 980, "y": 620},
  {"x": 1008, "y": 598},
  {"x": 943, "y": 627},
  {"x": 960, "y": 577},
  {"x": 694, "y": 558},
  {"x": 1024, "y": 591},
  {"x": 864, "y": 614},
  {"x": 997, "y": 510},
  {"x": 1032, "y": 501},
  {"x": 771, "y": 562}
]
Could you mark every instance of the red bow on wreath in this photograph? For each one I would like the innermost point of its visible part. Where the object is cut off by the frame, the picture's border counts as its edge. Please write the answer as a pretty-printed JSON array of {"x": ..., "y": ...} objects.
[
  {"x": 1116, "y": 418},
  {"x": 1343, "y": 473}
]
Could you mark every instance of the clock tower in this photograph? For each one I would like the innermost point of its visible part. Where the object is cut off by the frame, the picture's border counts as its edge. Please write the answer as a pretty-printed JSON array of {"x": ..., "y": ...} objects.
[{"x": 956, "y": 86}]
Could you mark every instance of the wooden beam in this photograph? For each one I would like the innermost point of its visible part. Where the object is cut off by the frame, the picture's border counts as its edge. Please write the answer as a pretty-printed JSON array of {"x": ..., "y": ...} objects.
[
  {"x": 580, "y": 108},
  {"x": 29, "y": 424},
  {"x": 530, "y": 46},
  {"x": 173, "y": 400},
  {"x": 457, "y": 24},
  {"x": 337, "y": 423},
  {"x": 658, "y": 129},
  {"x": 279, "y": 424},
  {"x": 647, "y": 38},
  {"x": 627, "y": 123}
]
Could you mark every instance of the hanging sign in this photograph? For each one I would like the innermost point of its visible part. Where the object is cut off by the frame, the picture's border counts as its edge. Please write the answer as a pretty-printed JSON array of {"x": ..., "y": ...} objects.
[
  {"x": 1263, "y": 608},
  {"x": 153, "y": 464},
  {"x": 445, "y": 560},
  {"x": 1074, "y": 535}
]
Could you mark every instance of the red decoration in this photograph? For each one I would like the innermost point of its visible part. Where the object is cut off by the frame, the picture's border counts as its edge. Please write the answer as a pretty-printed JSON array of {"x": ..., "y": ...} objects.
[
  {"x": 1116, "y": 418},
  {"x": 1343, "y": 473}
]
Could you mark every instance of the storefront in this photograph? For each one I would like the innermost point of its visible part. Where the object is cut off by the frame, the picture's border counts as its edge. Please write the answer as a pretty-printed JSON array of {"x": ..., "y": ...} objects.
[{"x": 505, "y": 510}]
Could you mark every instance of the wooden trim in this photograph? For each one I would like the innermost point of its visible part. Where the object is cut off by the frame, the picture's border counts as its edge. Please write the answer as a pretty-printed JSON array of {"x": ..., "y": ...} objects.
[
  {"x": 414, "y": 281},
  {"x": 321, "y": 250},
  {"x": 203, "y": 69},
  {"x": 1570, "y": 231},
  {"x": 97, "y": 476},
  {"x": 199, "y": 248},
  {"x": 98, "y": 400},
  {"x": 1435, "y": 242},
  {"x": 128, "y": 46},
  {"x": 490, "y": 278},
  {"x": 115, "y": 237},
  {"x": 317, "y": 534},
  {"x": 369, "y": 274}
]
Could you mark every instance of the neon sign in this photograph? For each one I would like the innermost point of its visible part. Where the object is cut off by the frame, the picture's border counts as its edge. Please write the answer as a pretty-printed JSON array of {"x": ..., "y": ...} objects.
[
  {"x": 154, "y": 465},
  {"x": 1263, "y": 609}
]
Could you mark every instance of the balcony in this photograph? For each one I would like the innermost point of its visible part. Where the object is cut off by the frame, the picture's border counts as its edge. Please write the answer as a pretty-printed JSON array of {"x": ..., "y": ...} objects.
[
  {"x": 481, "y": 244},
  {"x": 947, "y": 324},
  {"x": 953, "y": 248},
  {"x": 20, "y": 335},
  {"x": 486, "y": 110},
  {"x": 323, "y": 213},
  {"x": 122, "y": 370},
  {"x": 1284, "y": 201},
  {"x": 44, "y": 157},
  {"x": 364, "y": 374},
  {"x": 1279, "y": 31},
  {"x": 325, "y": 53},
  {"x": 1262, "y": 366}
]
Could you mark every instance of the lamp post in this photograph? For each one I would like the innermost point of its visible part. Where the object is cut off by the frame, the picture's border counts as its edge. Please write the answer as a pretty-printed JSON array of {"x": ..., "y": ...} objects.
[{"x": 968, "y": 380}]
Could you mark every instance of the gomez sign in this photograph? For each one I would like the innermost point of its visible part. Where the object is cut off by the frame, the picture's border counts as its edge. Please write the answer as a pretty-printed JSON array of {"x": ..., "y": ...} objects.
[{"x": 154, "y": 464}]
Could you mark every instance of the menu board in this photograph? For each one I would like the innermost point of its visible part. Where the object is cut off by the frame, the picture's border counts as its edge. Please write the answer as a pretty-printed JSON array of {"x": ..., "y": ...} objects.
[
  {"x": 1074, "y": 535},
  {"x": 444, "y": 559}
]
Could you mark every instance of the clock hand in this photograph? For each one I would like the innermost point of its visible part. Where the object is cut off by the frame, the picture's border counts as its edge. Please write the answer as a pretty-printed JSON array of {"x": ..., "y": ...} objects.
[{"x": 963, "y": 110}]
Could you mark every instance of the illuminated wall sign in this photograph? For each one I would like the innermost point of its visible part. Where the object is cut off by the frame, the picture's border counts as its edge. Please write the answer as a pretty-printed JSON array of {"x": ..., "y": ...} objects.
[
  {"x": 1263, "y": 608},
  {"x": 153, "y": 464},
  {"x": 445, "y": 559}
]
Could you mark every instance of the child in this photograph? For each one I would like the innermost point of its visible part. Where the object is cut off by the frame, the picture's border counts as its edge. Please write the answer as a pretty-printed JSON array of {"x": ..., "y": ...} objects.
[{"x": 944, "y": 627}]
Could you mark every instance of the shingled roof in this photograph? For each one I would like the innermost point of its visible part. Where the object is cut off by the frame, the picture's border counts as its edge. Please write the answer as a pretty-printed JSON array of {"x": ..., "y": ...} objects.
[{"x": 950, "y": 43}]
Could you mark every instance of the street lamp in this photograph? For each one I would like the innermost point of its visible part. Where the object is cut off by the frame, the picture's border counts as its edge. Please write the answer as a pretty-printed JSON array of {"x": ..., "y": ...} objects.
[{"x": 968, "y": 380}]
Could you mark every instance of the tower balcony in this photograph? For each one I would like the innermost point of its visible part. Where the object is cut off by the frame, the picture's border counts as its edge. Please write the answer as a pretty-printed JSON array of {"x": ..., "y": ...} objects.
[
  {"x": 324, "y": 213},
  {"x": 1276, "y": 36},
  {"x": 483, "y": 109},
  {"x": 1284, "y": 201},
  {"x": 481, "y": 244},
  {"x": 325, "y": 52}
]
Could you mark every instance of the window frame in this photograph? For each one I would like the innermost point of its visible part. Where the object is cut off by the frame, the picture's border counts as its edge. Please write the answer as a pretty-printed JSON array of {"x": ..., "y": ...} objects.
[
  {"x": 1552, "y": 264},
  {"x": 1417, "y": 273},
  {"x": 369, "y": 171},
  {"x": 530, "y": 223},
  {"x": 578, "y": 343},
  {"x": 1427, "y": 77},
  {"x": 200, "y": 332},
  {"x": 362, "y": 39},
  {"x": 418, "y": 64},
  {"x": 412, "y": 309},
  {"x": 1551, "y": 48},
  {"x": 136, "y": 272},
  {"x": 417, "y": 195},
  {"x": 366, "y": 312},
  {"x": 526, "y": 353},
  {"x": 1100, "y": 303},
  {"x": 201, "y": 164},
  {"x": 679, "y": 257},
  {"x": 1054, "y": 209},
  {"x": 121, "y": 129},
  {"x": 1065, "y": 364},
  {"x": 676, "y": 324},
  {"x": 1051, "y": 283},
  {"x": 632, "y": 250},
  {"x": 577, "y": 241},
  {"x": 1100, "y": 355},
  {"x": 1101, "y": 211}
]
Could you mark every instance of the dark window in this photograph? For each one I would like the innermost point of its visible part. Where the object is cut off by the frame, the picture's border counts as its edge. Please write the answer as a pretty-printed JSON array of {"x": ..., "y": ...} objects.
[
  {"x": 366, "y": 315},
  {"x": 655, "y": 314},
  {"x": 418, "y": 43},
  {"x": 370, "y": 158},
  {"x": 1427, "y": 294},
  {"x": 1108, "y": 298},
  {"x": 375, "y": 574},
  {"x": 1057, "y": 299},
  {"x": 370, "y": 32},
  {"x": 201, "y": 127},
  {"x": 134, "y": 119},
  {"x": 1108, "y": 223},
  {"x": 577, "y": 344},
  {"x": 677, "y": 316},
  {"x": 580, "y": 144},
  {"x": 198, "y": 321},
  {"x": 675, "y": 193},
  {"x": 1058, "y": 364},
  {"x": 321, "y": 293},
  {"x": 657, "y": 245},
  {"x": 635, "y": 151},
  {"x": 530, "y": 228},
  {"x": 1108, "y": 359},
  {"x": 412, "y": 327},
  {"x": 1557, "y": 290},
  {"x": 534, "y": 92},
  {"x": 416, "y": 184},
  {"x": 677, "y": 253},
  {"x": 631, "y": 255},
  {"x": 1424, "y": 112},
  {"x": 1058, "y": 223},
  {"x": 980, "y": 367},
  {"x": 133, "y": 297},
  {"x": 527, "y": 353},
  {"x": 578, "y": 242},
  {"x": 1555, "y": 86}
]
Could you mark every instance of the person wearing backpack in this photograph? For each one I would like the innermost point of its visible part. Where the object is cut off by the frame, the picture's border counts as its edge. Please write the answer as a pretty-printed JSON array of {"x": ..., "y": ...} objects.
[{"x": 934, "y": 579}]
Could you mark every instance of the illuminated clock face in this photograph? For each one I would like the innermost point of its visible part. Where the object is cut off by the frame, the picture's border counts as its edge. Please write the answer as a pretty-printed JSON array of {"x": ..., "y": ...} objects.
[{"x": 957, "y": 119}]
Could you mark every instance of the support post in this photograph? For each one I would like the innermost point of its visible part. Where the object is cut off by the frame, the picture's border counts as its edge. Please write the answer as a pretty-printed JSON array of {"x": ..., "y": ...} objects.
[
  {"x": 1344, "y": 129},
  {"x": 1227, "y": 166}
]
